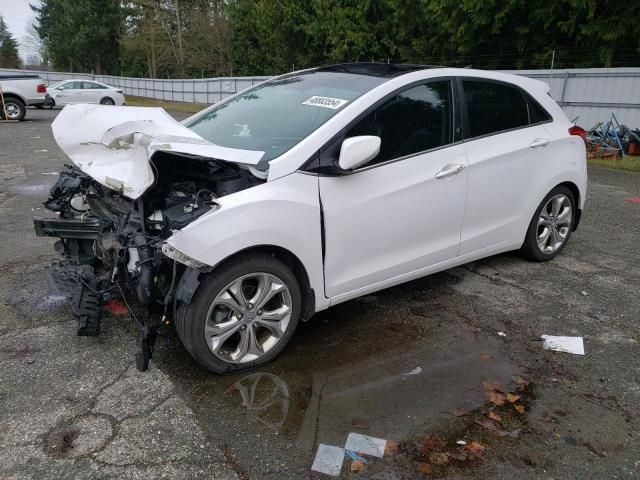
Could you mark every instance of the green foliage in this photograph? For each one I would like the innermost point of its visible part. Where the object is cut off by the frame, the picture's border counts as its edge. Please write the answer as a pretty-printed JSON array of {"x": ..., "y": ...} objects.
[
  {"x": 9, "y": 57},
  {"x": 173, "y": 38},
  {"x": 81, "y": 35}
]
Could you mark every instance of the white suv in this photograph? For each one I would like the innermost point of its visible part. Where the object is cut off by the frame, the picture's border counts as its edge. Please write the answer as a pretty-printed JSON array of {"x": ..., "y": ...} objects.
[{"x": 305, "y": 191}]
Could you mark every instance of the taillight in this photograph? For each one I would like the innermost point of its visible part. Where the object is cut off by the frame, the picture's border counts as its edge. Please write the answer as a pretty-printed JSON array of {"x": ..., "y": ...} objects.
[
  {"x": 119, "y": 91},
  {"x": 41, "y": 88},
  {"x": 579, "y": 131}
]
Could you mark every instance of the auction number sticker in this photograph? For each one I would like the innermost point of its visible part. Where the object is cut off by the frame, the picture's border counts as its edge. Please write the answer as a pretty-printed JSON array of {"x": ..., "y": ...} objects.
[{"x": 326, "y": 102}]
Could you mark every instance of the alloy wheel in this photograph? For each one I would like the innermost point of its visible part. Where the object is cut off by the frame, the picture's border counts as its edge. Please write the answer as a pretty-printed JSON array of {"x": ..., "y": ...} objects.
[
  {"x": 554, "y": 224},
  {"x": 13, "y": 110},
  {"x": 248, "y": 318}
]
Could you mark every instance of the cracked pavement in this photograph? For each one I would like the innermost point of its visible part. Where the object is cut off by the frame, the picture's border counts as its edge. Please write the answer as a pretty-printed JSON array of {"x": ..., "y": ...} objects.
[{"x": 73, "y": 407}]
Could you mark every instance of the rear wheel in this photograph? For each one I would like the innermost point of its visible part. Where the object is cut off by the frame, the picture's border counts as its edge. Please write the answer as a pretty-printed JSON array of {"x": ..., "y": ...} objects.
[
  {"x": 107, "y": 101},
  {"x": 242, "y": 315},
  {"x": 551, "y": 225},
  {"x": 14, "y": 107}
]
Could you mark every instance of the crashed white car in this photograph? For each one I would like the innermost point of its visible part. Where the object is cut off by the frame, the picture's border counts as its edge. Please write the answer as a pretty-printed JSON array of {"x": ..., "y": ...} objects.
[{"x": 302, "y": 192}]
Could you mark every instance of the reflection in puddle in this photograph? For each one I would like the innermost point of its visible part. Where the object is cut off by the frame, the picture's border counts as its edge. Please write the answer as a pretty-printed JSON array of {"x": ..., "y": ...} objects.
[
  {"x": 266, "y": 397},
  {"x": 375, "y": 368}
]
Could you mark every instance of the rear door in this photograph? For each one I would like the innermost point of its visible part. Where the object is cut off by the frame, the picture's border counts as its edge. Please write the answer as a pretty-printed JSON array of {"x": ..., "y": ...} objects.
[
  {"x": 506, "y": 144},
  {"x": 401, "y": 212},
  {"x": 92, "y": 92}
]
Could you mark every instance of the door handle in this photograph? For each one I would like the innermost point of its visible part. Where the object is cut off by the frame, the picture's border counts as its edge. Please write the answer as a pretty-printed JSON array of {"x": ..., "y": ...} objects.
[
  {"x": 539, "y": 142},
  {"x": 450, "y": 170}
]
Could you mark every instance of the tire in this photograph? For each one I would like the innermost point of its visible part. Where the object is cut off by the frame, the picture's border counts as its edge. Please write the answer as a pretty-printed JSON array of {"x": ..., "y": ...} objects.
[
  {"x": 16, "y": 110},
  {"x": 107, "y": 101},
  {"x": 209, "y": 309},
  {"x": 538, "y": 245}
]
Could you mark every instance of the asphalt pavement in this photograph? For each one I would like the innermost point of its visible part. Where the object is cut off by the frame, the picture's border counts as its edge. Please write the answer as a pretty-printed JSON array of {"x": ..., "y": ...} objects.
[{"x": 422, "y": 365}]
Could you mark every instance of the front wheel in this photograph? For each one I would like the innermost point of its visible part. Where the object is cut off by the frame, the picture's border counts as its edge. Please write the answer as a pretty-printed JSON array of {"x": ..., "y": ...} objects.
[
  {"x": 551, "y": 225},
  {"x": 242, "y": 315}
]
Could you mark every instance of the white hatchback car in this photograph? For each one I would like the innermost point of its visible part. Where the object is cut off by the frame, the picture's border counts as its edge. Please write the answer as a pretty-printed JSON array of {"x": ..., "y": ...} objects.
[
  {"x": 305, "y": 191},
  {"x": 84, "y": 91}
]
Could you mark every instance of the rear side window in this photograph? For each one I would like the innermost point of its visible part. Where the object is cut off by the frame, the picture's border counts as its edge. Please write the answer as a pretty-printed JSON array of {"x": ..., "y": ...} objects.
[
  {"x": 494, "y": 107},
  {"x": 413, "y": 121},
  {"x": 537, "y": 113}
]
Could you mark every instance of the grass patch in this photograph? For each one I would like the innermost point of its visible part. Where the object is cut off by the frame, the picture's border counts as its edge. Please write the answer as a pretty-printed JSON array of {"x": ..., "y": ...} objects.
[
  {"x": 182, "y": 107},
  {"x": 627, "y": 162}
]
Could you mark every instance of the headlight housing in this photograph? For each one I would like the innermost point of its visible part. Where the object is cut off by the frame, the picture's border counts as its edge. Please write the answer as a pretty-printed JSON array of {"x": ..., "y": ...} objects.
[{"x": 180, "y": 257}]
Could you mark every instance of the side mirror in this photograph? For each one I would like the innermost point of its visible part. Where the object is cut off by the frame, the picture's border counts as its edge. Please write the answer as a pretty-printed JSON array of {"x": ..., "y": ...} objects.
[{"x": 356, "y": 151}]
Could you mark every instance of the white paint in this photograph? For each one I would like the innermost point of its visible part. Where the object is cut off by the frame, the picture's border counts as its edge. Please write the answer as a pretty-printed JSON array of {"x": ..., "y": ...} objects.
[
  {"x": 563, "y": 344},
  {"x": 382, "y": 226},
  {"x": 357, "y": 442},
  {"x": 328, "y": 460},
  {"x": 84, "y": 91},
  {"x": 114, "y": 144}
]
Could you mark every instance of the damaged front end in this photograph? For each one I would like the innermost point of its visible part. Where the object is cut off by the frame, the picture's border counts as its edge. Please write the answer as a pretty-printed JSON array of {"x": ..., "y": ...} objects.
[{"x": 113, "y": 247}]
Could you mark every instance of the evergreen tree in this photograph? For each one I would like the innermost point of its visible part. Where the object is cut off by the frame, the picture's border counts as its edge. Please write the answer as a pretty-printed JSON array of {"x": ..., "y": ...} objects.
[{"x": 9, "y": 57}]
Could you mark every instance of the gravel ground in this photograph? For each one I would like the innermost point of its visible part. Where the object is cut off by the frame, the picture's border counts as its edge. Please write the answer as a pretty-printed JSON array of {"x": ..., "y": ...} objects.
[{"x": 406, "y": 364}]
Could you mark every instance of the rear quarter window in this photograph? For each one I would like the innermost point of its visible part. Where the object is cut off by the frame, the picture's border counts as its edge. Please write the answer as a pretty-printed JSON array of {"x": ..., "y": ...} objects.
[{"x": 494, "y": 107}]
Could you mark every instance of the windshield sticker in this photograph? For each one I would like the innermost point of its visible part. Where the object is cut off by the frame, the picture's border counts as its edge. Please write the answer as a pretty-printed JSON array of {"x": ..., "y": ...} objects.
[{"x": 327, "y": 102}]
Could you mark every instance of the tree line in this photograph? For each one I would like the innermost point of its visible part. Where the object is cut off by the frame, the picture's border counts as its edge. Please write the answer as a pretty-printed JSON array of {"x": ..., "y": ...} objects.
[{"x": 192, "y": 38}]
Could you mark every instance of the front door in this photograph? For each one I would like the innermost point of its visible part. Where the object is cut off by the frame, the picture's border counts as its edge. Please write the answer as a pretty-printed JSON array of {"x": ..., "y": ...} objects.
[{"x": 402, "y": 211}]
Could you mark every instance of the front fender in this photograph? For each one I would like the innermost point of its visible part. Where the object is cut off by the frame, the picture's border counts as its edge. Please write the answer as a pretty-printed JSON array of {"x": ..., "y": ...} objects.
[{"x": 283, "y": 213}]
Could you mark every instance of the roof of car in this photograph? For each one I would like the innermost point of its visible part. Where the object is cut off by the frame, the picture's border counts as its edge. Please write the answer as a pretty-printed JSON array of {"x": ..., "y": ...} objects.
[{"x": 375, "y": 69}]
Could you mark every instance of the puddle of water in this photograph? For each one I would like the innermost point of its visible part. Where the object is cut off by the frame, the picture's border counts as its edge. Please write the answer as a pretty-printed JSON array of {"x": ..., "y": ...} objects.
[{"x": 359, "y": 367}]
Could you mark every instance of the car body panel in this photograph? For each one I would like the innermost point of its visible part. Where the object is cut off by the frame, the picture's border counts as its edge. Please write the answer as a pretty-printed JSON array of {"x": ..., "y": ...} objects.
[
  {"x": 115, "y": 144},
  {"x": 401, "y": 219},
  {"x": 283, "y": 213}
]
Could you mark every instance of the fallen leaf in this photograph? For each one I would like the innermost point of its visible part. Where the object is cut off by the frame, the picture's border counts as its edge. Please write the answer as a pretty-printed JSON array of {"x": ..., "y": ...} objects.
[
  {"x": 520, "y": 381},
  {"x": 391, "y": 447},
  {"x": 459, "y": 455},
  {"x": 492, "y": 385},
  {"x": 486, "y": 356},
  {"x": 497, "y": 398},
  {"x": 430, "y": 444},
  {"x": 460, "y": 412},
  {"x": 358, "y": 466},
  {"x": 519, "y": 408},
  {"x": 424, "y": 467},
  {"x": 494, "y": 416},
  {"x": 359, "y": 422},
  {"x": 474, "y": 447},
  {"x": 494, "y": 428},
  {"x": 439, "y": 458},
  {"x": 512, "y": 398}
]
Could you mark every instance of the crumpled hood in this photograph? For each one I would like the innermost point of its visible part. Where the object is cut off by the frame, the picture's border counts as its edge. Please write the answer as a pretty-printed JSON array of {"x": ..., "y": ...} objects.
[{"x": 114, "y": 144}]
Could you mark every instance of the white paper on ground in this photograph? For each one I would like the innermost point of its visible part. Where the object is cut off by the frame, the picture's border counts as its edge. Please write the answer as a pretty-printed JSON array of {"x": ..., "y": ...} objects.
[
  {"x": 366, "y": 444},
  {"x": 328, "y": 460},
  {"x": 563, "y": 344}
]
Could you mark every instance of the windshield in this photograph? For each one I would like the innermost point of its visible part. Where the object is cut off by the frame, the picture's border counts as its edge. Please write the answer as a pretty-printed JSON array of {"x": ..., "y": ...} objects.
[{"x": 276, "y": 115}]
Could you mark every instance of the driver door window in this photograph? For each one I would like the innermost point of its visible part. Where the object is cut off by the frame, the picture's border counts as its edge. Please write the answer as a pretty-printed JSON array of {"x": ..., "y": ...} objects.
[{"x": 416, "y": 120}]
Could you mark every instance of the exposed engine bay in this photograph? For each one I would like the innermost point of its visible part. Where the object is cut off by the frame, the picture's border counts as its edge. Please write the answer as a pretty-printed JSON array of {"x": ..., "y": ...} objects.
[{"x": 111, "y": 245}]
